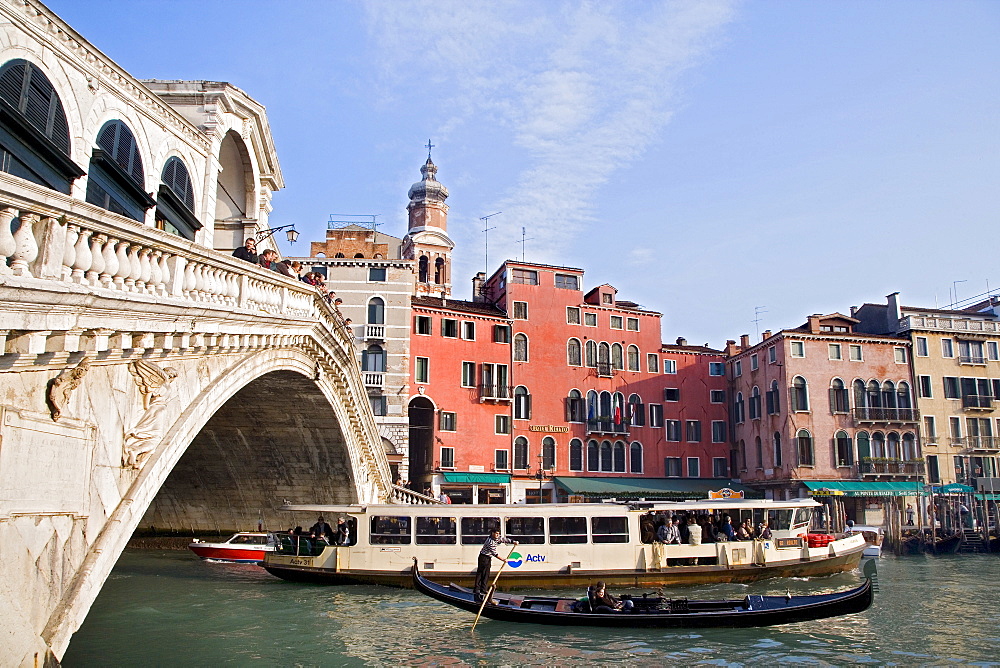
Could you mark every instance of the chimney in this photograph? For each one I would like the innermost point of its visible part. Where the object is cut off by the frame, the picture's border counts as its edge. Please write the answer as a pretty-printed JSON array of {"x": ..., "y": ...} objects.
[
  {"x": 766, "y": 335},
  {"x": 814, "y": 323},
  {"x": 478, "y": 287},
  {"x": 892, "y": 313},
  {"x": 744, "y": 341},
  {"x": 681, "y": 341},
  {"x": 444, "y": 298},
  {"x": 731, "y": 348}
]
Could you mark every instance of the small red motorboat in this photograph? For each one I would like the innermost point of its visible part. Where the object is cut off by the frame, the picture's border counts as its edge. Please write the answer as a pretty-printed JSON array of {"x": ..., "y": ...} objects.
[{"x": 242, "y": 547}]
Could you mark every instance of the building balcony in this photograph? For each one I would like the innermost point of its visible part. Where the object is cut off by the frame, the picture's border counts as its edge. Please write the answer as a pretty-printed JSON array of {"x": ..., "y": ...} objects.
[
  {"x": 500, "y": 393},
  {"x": 880, "y": 466},
  {"x": 604, "y": 370},
  {"x": 374, "y": 333},
  {"x": 888, "y": 415},
  {"x": 979, "y": 360},
  {"x": 607, "y": 426},
  {"x": 977, "y": 402},
  {"x": 373, "y": 379},
  {"x": 983, "y": 444}
]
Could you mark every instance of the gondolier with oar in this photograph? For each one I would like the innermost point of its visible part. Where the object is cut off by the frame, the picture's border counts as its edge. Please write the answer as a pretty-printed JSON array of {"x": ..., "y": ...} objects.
[{"x": 486, "y": 556}]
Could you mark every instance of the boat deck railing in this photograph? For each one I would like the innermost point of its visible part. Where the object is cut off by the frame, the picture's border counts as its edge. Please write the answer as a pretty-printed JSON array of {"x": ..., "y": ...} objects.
[{"x": 300, "y": 546}]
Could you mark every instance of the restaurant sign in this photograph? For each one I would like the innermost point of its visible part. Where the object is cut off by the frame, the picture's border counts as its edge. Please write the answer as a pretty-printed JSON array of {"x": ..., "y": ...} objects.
[{"x": 548, "y": 428}]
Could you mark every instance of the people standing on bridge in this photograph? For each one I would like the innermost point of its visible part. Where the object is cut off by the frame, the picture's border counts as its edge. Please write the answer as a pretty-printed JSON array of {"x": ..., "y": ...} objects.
[
  {"x": 486, "y": 556},
  {"x": 248, "y": 251}
]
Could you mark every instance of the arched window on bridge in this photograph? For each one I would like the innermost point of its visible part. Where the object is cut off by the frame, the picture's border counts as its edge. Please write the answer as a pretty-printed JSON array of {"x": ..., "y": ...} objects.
[
  {"x": 175, "y": 201},
  {"x": 116, "y": 180},
  {"x": 34, "y": 140}
]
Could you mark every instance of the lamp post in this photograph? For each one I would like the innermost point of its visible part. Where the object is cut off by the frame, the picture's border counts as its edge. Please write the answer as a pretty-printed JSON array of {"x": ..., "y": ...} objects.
[
  {"x": 541, "y": 475},
  {"x": 291, "y": 233}
]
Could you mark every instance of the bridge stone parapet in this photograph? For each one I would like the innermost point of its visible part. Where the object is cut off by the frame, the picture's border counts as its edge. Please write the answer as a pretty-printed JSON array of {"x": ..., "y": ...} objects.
[{"x": 113, "y": 333}]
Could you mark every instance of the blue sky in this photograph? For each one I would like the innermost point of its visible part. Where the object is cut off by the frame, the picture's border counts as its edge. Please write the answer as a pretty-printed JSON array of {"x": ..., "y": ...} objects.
[{"x": 705, "y": 158}]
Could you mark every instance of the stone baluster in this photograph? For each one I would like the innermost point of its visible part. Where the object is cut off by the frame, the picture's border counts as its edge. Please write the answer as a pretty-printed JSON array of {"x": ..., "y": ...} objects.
[
  {"x": 27, "y": 247},
  {"x": 134, "y": 270},
  {"x": 82, "y": 257},
  {"x": 211, "y": 287},
  {"x": 96, "y": 268},
  {"x": 124, "y": 265},
  {"x": 145, "y": 270},
  {"x": 69, "y": 250},
  {"x": 234, "y": 288},
  {"x": 110, "y": 264},
  {"x": 199, "y": 284},
  {"x": 190, "y": 280},
  {"x": 220, "y": 285},
  {"x": 156, "y": 274},
  {"x": 7, "y": 243}
]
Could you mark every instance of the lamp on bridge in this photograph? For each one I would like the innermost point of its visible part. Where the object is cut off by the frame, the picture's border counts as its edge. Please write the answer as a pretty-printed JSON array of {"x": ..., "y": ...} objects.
[{"x": 291, "y": 233}]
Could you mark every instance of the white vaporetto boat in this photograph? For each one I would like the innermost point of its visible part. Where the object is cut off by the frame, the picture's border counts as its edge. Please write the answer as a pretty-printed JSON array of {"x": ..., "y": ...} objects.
[{"x": 562, "y": 545}]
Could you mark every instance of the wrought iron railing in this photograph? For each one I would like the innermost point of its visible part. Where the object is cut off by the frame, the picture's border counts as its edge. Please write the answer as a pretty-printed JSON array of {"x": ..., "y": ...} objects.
[
  {"x": 882, "y": 414},
  {"x": 496, "y": 392},
  {"x": 884, "y": 466}
]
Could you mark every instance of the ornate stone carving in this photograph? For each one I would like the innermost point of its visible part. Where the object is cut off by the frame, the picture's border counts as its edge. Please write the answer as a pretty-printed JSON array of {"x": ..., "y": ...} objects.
[
  {"x": 154, "y": 385},
  {"x": 62, "y": 386}
]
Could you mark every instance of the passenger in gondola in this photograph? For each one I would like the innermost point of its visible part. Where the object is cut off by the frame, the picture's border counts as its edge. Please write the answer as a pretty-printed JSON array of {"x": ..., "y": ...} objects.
[{"x": 601, "y": 600}]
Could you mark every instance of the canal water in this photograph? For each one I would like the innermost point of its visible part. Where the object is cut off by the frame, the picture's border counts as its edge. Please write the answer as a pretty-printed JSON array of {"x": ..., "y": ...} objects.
[{"x": 170, "y": 609}]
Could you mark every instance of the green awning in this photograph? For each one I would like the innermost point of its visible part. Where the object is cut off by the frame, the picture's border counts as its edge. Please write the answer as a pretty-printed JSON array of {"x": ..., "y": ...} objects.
[
  {"x": 649, "y": 488},
  {"x": 477, "y": 478},
  {"x": 854, "y": 488},
  {"x": 954, "y": 488}
]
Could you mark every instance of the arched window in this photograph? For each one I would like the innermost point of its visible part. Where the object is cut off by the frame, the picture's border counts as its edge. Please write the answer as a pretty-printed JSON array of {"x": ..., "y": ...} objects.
[
  {"x": 774, "y": 399},
  {"x": 903, "y": 396},
  {"x": 776, "y": 445},
  {"x": 874, "y": 395},
  {"x": 34, "y": 144},
  {"x": 175, "y": 201},
  {"x": 844, "y": 448},
  {"x": 909, "y": 447},
  {"x": 800, "y": 394},
  {"x": 619, "y": 457},
  {"x": 593, "y": 456},
  {"x": 606, "y": 458},
  {"x": 522, "y": 403},
  {"x": 575, "y": 409},
  {"x": 838, "y": 396},
  {"x": 888, "y": 394},
  {"x": 636, "y": 411},
  {"x": 593, "y": 408},
  {"x": 373, "y": 359},
  {"x": 755, "y": 403},
  {"x": 864, "y": 446},
  {"x": 618, "y": 416},
  {"x": 892, "y": 445},
  {"x": 573, "y": 357},
  {"x": 739, "y": 409},
  {"x": 520, "y": 348},
  {"x": 878, "y": 444},
  {"x": 359, "y": 256},
  {"x": 548, "y": 453},
  {"x": 576, "y": 455},
  {"x": 338, "y": 255},
  {"x": 617, "y": 361},
  {"x": 591, "y": 354},
  {"x": 633, "y": 358},
  {"x": 860, "y": 396},
  {"x": 376, "y": 311},
  {"x": 606, "y": 413},
  {"x": 422, "y": 269},
  {"x": 759, "y": 451},
  {"x": 604, "y": 354},
  {"x": 439, "y": 271},
  {"x": 521, "y": 453},
  {"x": 804, "y": 448},
  {"x": 635, "y": 457},
  {"x": 116, "y": 179}
]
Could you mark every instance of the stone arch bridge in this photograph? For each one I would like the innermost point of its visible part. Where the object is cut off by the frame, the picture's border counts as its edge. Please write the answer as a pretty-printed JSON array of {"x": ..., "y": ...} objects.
[{"x": 148, "y": 381}]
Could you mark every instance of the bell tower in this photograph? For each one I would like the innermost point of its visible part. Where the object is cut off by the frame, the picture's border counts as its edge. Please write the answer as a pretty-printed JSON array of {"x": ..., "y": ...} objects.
[{"x": 427, "y": 241}]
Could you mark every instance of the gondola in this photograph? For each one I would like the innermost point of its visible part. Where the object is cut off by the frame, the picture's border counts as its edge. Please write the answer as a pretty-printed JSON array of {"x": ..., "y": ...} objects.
[{"x": 655, "y": 611}]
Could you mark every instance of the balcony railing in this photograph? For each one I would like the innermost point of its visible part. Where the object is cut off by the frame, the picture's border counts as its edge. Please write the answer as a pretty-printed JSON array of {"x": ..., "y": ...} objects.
[
  {"x": 373, "y": 379},
  {"x": 880, "y": 414},
  {"x": 972, "y": 359},
  {"x": 496, "y": 392},
  {"x": 979, "y": 442},
  {"x": 606, "y": 427},
  {"x": 977, "y": 402},
  {"x": 880, "y": 466},
  {"x": 604, "y": 370},
  {"x": 374, "y": 332}
]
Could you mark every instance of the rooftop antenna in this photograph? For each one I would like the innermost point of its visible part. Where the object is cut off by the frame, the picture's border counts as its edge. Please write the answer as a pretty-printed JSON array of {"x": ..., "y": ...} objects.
[
  {"x": 757, "y": 310},
  {"x": 954, "y": 286},
  {"x": 486, "y": 221},
  {"x": 523, "y": 240},
  {"x": 429, "y": 146}
]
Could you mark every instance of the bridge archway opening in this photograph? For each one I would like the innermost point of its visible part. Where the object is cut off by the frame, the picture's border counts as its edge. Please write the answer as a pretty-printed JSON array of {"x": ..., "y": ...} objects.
[
  {"x": 421, "y": 418},
  {"x": 276, "y": 440}
]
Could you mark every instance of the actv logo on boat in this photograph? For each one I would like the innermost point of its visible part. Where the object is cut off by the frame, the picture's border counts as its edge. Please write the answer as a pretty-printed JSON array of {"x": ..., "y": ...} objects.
[{"x": 515, "y": 559}]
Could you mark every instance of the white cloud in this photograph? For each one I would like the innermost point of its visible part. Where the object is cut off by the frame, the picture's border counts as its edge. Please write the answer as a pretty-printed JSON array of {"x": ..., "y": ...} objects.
[{"x": 579, "y": 89}]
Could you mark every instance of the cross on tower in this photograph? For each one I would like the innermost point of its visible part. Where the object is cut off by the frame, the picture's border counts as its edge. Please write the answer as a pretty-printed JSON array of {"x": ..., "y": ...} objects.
[{"x": 429, "y": 146}]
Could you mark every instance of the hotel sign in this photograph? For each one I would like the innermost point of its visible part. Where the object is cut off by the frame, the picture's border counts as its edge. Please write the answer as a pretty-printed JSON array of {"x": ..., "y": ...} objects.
[{"x": 548, "y": 428}]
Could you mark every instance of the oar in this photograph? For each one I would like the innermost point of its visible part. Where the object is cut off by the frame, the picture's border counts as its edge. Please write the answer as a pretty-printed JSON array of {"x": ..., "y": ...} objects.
[{"x": 492, "y": 588}]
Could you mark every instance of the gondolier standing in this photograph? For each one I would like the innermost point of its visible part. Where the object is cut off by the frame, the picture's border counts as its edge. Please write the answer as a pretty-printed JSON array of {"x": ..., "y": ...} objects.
[{"x": 486, "y": 556}]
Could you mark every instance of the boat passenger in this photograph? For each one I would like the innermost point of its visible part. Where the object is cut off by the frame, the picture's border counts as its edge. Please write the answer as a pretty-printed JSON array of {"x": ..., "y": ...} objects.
[
  {"x": 727, "y": 529},
  {"x": 321, "y": 529},
  {"x": 765, "y": 531},
  {"x": 694, "y": 535},
  {"x": 343, "y": 536},
  {"x": 601, "y": 600}
]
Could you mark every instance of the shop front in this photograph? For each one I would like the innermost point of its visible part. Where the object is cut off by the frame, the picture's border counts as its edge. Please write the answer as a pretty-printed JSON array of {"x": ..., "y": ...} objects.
[{"x": 481, "y": 488}]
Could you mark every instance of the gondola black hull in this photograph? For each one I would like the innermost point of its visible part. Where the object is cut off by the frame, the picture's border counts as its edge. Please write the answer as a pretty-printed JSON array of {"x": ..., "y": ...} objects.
[{"x": 750, "y": 611}]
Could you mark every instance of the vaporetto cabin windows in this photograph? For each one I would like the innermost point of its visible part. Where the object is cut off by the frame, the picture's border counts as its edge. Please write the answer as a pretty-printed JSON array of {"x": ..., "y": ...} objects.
[{"x": 443, "y": 530}]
